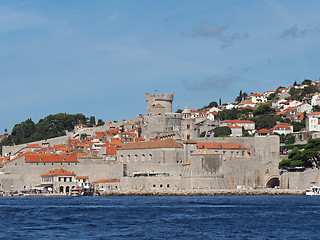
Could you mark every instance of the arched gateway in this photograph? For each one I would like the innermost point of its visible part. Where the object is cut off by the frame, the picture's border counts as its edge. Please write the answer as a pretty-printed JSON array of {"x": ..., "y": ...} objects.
[{"x": 273, "y": 182}]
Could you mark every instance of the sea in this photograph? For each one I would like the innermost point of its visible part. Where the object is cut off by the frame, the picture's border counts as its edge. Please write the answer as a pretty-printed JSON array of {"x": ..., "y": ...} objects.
[{"x": 176, "y": 217}]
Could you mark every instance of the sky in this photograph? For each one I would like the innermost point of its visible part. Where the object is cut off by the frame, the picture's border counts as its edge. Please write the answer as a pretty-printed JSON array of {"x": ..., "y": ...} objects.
[{"x": 100, "y": 58}]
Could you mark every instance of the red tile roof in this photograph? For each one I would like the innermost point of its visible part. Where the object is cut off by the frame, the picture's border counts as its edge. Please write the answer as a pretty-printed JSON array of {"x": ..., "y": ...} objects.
[
  {"x": 33, "y": 146},
  {"x": 82, "y": 177},
  {"x": 263, "y": 130},
  {"x": 59, "y": 172},
  {"x": 47, "y": 157},
  {"x": 106, "y": 181}
]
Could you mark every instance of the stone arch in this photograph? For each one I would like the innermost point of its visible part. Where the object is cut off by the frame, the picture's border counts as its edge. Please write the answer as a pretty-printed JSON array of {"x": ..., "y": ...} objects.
[
  {"x": 273, "y": 182},
  {"x": 61, "y": 189},
  {"x": 67, "y": 189}
]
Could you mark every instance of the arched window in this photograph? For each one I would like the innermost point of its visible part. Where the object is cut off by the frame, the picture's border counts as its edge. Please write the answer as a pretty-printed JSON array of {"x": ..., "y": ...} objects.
[
  {"x": 67, "y": 189},
  {"x": 128, "y": 158},
  {"x": 136, "y": 158},
  {"x": 150, "y": 157},
  {"x": 143, "y": 157},
  {"x": 61, "y": 189}
]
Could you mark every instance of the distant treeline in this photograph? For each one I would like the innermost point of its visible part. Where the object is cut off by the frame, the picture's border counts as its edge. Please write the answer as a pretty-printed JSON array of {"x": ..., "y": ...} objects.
[{"x": 49, "y": 127}]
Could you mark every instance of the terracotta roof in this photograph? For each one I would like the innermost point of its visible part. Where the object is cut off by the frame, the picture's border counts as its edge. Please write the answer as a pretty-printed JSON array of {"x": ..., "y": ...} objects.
[
  {"x": 286, "y": 126},
  {"x": 246, "y": 102},
  {"x": 81, "y": 154},
  {"x": 33, "y": 146},
  {"x": 216, "y": 145},
  {"x": 47, "y": 157},
  {"x": 315, "y": 113},
  {"x": 82, "y": 177},
  {"x": 167, "y": 143},
  {"x": 106, "y": 181},
  {"x": 189, "y": 141},
  {"x": 263, "y": 130},
  {"x": 59, "y": 172},
  {"x": 80, "y": 125},
  {"x": 232, "y": 125}
]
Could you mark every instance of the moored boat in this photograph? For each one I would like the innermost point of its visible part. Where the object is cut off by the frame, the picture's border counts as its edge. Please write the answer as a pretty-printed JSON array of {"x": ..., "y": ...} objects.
[
  {"x": 76, "y": 192},
  {"x": 313, "y": 191}
]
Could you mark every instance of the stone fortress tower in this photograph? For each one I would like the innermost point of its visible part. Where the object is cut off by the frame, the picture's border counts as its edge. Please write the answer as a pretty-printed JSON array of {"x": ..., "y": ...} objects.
[
  {"x": 159, "y": 103},
  {"x": 162, "y": 123}
]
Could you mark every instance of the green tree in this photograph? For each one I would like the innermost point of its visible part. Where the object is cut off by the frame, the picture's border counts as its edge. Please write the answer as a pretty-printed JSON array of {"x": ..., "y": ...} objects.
[
  {"x": 222, "y": 131},
  {"x": 228, "y": 114},
  {"x": 49, "y": 127},
  {"x": 239, "y": 98},
  {"x": 265, "y": 121},
  {"x": 272, "y": 96},
  {"x": 306, "y": 82},
  {"x": 92, "y": 121},
  {"x": 316, "y": 108},
  {"x": 263, "y": 109},
  {"x": 100, "y": 122},
  {"x": 309, "y": 157},
  {"x": 203, "y": 134}
]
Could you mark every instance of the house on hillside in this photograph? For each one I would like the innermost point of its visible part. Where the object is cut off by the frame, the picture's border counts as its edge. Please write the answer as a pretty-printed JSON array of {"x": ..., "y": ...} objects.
[
  {"x": 282, "y": 128},
  {"x": 246, "y": 103},
  {"x": 313, "y": 122},
  {"x": 246, "y": 124},
  {"x": 236, "y": 130},
  {"x": 257, "y": 98},
  {"x": 304, "y": 107}
]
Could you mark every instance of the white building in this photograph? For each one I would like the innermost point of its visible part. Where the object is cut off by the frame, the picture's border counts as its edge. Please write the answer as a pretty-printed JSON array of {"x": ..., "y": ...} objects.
[
  {"x": 313, "y": 122},
  {"x": 257, "y": 98}
]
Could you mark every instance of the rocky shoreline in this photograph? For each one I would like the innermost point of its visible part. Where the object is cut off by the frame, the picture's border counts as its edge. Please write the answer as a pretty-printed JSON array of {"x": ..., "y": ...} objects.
[{"x": 216, "y": 192}]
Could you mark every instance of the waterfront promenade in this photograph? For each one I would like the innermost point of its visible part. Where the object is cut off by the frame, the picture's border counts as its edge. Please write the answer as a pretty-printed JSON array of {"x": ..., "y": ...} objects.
[{"x": 213, "y": 192}]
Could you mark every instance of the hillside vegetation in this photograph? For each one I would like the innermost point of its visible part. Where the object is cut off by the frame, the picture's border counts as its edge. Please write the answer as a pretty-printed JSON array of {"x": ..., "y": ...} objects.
[{"x": 49, "y": 127}]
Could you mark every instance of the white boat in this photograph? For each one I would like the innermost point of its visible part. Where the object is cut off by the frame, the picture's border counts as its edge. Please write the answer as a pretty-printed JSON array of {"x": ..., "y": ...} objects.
[
  {"x": 75, "y": 192},
  {"x": 313, "y": 191}
]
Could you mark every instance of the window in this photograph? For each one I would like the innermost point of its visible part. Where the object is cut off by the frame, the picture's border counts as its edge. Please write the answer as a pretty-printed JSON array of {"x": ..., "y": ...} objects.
[
  {"x": 242, "y": 153},
  {"x": 136, "y": 158},
  {"x": 161, "y": 185},
  {"x": 121, "y": 158},
  {"x": 168, "y": 185},
  {"x": 150, "y": 157},
  {"x": 128, "y": 158},
  {"x": 143, "y": 157},
  {"x": 188, "y": 126}
]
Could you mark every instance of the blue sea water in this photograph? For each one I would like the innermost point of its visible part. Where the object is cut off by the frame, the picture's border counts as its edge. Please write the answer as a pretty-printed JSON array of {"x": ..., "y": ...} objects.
[{"x": 202, "y": 217}]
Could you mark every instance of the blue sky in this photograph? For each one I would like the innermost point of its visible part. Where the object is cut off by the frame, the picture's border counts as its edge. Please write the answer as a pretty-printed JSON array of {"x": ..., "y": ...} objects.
[{"x": 99, "y": 58}]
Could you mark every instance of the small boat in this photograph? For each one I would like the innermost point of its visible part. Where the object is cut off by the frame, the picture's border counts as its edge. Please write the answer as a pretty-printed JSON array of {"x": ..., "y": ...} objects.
[
  {"x": 313, "y": 191},
  {"x": 76, "y": 192}
]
